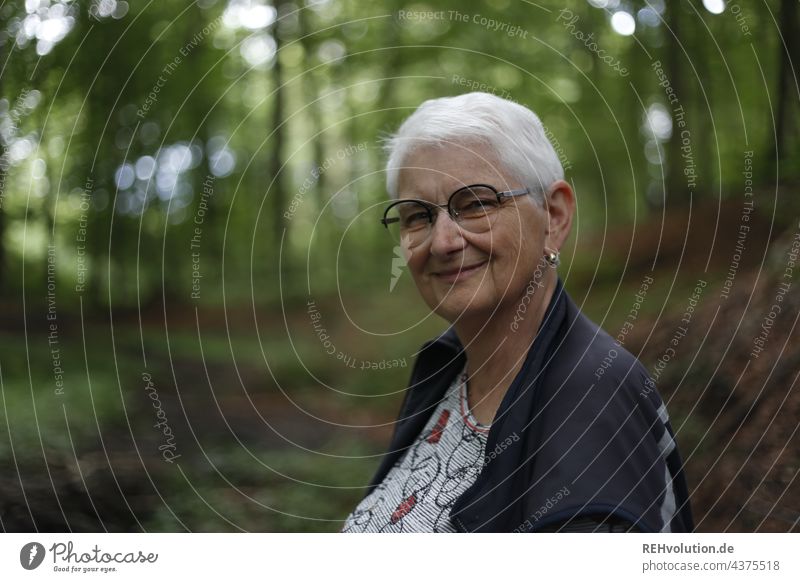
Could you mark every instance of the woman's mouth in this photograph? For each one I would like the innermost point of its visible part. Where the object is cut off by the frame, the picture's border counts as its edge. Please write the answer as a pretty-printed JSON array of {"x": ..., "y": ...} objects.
[{"x": 453, "y": 275}]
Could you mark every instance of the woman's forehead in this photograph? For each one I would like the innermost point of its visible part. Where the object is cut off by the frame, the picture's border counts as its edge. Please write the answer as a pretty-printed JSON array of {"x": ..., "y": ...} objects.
[{"x": 433, "y": 172}]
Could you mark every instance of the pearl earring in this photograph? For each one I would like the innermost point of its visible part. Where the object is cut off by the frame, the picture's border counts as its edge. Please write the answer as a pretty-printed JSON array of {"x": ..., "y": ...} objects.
[{"x": 552, "y": 258}]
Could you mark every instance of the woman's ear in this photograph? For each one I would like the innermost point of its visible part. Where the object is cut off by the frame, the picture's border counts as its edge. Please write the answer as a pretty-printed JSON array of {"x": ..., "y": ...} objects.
[{"x": 560, "y": 207}]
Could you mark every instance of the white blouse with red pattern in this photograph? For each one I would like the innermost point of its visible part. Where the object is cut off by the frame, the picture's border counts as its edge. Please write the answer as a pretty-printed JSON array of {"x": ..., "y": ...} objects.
[{"x": 419, "y": 491}]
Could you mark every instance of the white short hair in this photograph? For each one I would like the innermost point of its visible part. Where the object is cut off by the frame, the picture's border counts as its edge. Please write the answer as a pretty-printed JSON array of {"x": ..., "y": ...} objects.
[{"x": 513, "y": 132}]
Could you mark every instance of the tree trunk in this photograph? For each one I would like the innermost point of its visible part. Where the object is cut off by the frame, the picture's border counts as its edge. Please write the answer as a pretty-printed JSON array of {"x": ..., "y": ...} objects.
[
  {"x": 677, "y": 192},
  {"x": 3, "y": 177},
  {"x": 277, "y": 192},
  {"x": 788, "y": 27},
  {"x": 312, "y": 95},
  {"x": 3, "y": 272}
]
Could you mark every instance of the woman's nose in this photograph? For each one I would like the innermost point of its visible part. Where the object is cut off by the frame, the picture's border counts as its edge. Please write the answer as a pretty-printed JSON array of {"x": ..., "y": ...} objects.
[{"x": 446, "y": 235}]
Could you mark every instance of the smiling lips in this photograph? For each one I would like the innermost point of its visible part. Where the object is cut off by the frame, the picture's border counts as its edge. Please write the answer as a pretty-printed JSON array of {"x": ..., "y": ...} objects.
[{"x": 457, "y": 274}]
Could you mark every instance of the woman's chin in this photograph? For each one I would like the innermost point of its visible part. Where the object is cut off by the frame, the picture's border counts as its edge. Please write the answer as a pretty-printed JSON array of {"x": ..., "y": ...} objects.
[{"x": 456, "y": 305}]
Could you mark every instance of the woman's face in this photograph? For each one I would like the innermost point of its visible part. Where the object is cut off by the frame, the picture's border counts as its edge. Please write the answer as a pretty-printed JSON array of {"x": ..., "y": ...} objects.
[{"x": 460, "y": 273}]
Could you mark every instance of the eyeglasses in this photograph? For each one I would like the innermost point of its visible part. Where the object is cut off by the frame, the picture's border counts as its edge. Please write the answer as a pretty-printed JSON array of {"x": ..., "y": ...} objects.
[{"x": 474, "y": 208}]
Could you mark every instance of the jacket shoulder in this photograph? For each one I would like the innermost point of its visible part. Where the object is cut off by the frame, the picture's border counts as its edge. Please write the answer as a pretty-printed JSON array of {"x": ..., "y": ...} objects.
[{"x": 596, "y": 358}]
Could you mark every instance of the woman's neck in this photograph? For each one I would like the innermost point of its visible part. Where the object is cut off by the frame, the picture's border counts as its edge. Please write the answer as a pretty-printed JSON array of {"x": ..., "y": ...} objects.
[{"x": 496, "y": 349}]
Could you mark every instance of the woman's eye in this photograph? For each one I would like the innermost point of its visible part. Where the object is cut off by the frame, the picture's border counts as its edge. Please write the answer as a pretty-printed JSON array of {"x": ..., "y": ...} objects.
[
  {"x": 416, "y": 219},
  {"x": 477, "y": 204}
]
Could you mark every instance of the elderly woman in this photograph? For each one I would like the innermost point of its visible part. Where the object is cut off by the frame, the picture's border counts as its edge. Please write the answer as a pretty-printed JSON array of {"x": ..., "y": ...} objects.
[{"x": 523, "y": 416}]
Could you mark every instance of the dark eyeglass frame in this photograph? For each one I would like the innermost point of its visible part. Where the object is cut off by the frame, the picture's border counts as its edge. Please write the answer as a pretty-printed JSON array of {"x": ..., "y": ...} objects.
[{"x": 429, "y": 206}]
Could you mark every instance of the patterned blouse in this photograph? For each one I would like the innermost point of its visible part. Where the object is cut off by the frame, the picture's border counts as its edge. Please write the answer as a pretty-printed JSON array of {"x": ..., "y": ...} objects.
[
  {"x": 444, "y": 461},
  {"x": 419, "y": 491}
]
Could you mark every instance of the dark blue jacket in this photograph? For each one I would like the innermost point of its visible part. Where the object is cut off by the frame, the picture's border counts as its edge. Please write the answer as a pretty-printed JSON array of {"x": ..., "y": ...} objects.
[{"x": 570, "y": 439}]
